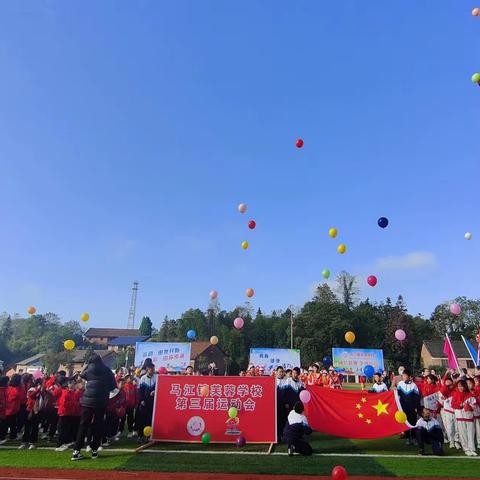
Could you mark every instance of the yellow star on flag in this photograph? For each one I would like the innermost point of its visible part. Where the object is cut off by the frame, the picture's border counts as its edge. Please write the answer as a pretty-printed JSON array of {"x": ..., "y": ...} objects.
[
  {"x": 368, "y": 421},
  {"x": 360, "y": 415},
  {"x": 358, "y": 406},
  {"x": 381, "y": 408},
  {"x": 364, "y": 400}
]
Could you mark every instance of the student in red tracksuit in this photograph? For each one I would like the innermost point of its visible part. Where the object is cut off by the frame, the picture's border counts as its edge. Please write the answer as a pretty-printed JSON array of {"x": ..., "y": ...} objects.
[
  {"x": 115, "y": 410},
  {"x": 32, "y": 422},
  {"x": 463, "y": 403},
  {"x": 3, "y": 408},
  {"x": 14, "y": 398},
  {"x": 69, "y": 411},
  {"x": 27, "y": 382},
  {"x": 131, "y": 401}
]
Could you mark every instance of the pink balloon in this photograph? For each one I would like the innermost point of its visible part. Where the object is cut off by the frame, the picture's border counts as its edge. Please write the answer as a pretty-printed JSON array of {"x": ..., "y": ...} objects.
[
  {"x": 305, "y": 396},
  {"x": 238, "y": 323},
  {"x": 372, "y": 280},
  {"x": 455, "y": 308},
  {"x": 162, "y": 371},
  {"x": 37, "y": 374},
  {"x": 400, "y": 335},
  {"x": 213, "y": 294}
]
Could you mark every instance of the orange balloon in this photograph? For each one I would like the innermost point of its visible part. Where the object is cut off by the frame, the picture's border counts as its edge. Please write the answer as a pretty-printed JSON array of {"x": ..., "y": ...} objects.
[
  {"x": 204, "y": 391},
  {"x": 350, "y": 337},
  {"x": 31, "y": 310},
  {"x": 250, "y": 292}
]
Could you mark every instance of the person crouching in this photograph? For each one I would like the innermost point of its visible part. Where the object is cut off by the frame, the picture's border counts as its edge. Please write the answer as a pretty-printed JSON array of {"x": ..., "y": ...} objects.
[
  {"x": 429, "y": 431},
  {"x": 294, "y": 431}
]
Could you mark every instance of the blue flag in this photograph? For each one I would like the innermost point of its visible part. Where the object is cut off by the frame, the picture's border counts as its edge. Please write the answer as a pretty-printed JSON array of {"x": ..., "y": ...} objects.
[{"x": 474, "y": 353}]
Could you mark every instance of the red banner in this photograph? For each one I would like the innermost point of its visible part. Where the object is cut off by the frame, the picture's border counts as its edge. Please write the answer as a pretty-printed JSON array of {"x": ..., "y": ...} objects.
[
  {"x": 184, "y": 411},
  {"x": 353, "y": 414}
]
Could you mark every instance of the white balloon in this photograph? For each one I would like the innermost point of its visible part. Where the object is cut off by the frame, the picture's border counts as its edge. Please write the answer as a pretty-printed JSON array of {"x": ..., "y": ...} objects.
[{"x": 468, "y": 236}]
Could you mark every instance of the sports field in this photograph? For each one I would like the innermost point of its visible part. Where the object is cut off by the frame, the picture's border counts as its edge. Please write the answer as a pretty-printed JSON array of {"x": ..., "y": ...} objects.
[{"x": 388, "y": 457}]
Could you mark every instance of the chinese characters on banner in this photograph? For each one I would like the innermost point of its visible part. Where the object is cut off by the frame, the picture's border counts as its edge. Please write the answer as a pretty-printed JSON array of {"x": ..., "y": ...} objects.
[
  {"x": 352, "y": 361},
  {"x": 183, "y": 414},
  {"x": 271, "y": 358},
  {"x": 172, "y": 356}
]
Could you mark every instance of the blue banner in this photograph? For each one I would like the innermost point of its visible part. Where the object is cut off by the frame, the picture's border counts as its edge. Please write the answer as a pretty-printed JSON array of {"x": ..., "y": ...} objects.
[
  {"x": 270, "y": 358},
  {"x": 172, "y": 356},
  {"x": 352, "y": 361}
]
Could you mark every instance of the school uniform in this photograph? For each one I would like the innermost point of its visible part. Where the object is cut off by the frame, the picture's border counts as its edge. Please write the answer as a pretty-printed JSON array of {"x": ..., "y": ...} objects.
[
  {"x": 115, "y": 410},
  {"x": 69, "y": 412},
  {"x": 14, "y": 397},
  {"x": 22, "y": 413},
  {"x": 378, "y": 388},
  {"x": 448, "y": 415},
  {"x": 295, "y": 429},
  {"x": 33, "y": 407},
  {"x": 429, "y": 432},
  {"x": 145, "y": 409},
  {"x": 3, "y": 408},
  {"x": 476, "y": 415},
  {"x": 462, "y": 403},
  {"x": 131, "y": 402},
  {"x": 409, "y": 396}
]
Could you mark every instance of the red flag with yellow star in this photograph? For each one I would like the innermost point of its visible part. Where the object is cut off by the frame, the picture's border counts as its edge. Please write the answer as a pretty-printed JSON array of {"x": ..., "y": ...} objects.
[{"x": 354, "y": 414}]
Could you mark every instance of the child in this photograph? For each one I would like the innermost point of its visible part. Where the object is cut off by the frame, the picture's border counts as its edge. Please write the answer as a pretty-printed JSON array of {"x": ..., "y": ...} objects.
[
  {"x": 3, "y": 408},
  {"x": 476, "y": 410},
  {"x": 334, "y": 378},
  {"x": 146, "y": 392},
  {"x": 131, "y": 401},
  {"x": 33, "y": 406},
  {"x": 462, "y": 403},
  {"x": 410, "y": 401},
  {"x": 295, "y": 428},
  {"x": 429, "y": 431},
  {"x": 14, "y": 398},
  {"x": 115, "y": 411},
  {"x": 378, "y": 384},
  {"x": 69, "y": 411}
]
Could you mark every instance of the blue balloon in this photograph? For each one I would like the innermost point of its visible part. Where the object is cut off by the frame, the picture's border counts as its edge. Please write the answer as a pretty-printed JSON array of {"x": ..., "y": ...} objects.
[
  {"x": 191, "y": 334},
  {"x": 369, "y": 371},
  {"x": 383, "y": 222},
  {"x": 327, "y": 361}
]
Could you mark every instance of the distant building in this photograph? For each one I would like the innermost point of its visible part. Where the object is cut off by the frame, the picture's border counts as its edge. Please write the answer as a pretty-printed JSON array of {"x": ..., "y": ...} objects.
[
  {"x": 29, "y": 365},
  {"x": 101, "y": 336},
  {"x": 432, "y": 354},
  {"x": 204, "y": 354},
  {"x": 122, "y": 343},
  {"x": 77, "y": 362}
]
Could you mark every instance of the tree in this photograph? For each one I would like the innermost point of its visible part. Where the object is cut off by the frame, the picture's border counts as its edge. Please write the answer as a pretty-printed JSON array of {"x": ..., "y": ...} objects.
[
  {"x": 145, "y": 327},
  {"x": 324, "y": 294},
  {"x": 347, "y": 289},
  {"x": 467, "y": 323},
  {"x": 6, "y": 331}
]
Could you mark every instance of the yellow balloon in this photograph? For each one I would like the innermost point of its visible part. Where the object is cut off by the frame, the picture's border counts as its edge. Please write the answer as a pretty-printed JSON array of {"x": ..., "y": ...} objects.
[
  {"x": 31, "y": 310},
  {"x": 341, "y": 248},
  {"x": 147, "y": 431},
  {"x": 69, "y": 344},
  {"x": 350, "y": 337},
  {"x": 333, "y": 232},
  {"x": 214, "y": 340},
  {"x": 400, "y": 417},
  {"x": 244, "y": 244},
  {"x": 84, "y": 317}
]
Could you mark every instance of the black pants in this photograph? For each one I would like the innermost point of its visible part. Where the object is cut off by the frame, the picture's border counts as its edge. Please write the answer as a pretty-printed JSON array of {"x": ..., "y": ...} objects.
[
  {"x": 3, "y": 428},
  {"x": 111, "y": 424},
  {"x": 302, "y": 447},
  {"x": 51, "y": 421},
  {"x": 94, "y": 417},
  {"x": 433, "y": 437},
  {"x": 144, "y": 417},
  {"x": 67, "y": 429},
  {"x": 9, "y": 422},
  {"x": 30, "y": 433},
  {"x": 21, "y": 417},
  {"x": 129, "y": 418}
]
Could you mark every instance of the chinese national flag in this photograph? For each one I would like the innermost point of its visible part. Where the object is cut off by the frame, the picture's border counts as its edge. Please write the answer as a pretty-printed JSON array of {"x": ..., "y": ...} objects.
[{"x": 353, "y": 414}]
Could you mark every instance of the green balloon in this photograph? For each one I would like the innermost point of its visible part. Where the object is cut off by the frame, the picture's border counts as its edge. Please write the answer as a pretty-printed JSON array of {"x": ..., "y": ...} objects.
[
  {"x": 476, "y": 78},
  {"x": 326, "y": 273},
  {"x": 206, "y": 437},
  {"x": 232, "y": 412}
]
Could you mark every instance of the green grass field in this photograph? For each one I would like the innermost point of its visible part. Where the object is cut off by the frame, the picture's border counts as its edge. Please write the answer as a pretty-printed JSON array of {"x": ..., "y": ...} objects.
[{"x": 391, "y": 459}]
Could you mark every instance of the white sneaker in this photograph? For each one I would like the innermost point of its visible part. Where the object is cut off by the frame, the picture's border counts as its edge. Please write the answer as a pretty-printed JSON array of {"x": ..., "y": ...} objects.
[
  {"x": 61, "y": 448},
  {"x": 458, "y": 446},
  {"x": 468, "y": 453},
  {"x": 32, "y": 447},
  {"x": 89, "y": 448},
  {"x": 23, "y": 446},
  {"x": 3, "y": 442},
  {"x": 99, "y": 449},
  {"x": 452, "y": 445},
  {"x": 130, "y": 435},
  {"x": 116, "y": 438},
  {"x": 473, "y": 454}
]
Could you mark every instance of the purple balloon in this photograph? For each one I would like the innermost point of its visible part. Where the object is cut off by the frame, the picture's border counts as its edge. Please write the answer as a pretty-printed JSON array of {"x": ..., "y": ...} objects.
[
  {"x": 400, "y": 335},
  {"x": 241, "y": 442},
  {"x": 238, "y": 323},
  {"x": 305, "y": 396}
]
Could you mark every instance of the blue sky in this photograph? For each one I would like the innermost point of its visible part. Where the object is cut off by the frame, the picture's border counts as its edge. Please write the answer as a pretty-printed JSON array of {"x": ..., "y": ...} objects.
[{"x": 130, "y": 131}]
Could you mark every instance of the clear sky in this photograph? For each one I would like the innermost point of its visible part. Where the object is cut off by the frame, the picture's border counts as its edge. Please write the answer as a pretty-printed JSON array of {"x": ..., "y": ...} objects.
[{"x": 130, "y": 132}]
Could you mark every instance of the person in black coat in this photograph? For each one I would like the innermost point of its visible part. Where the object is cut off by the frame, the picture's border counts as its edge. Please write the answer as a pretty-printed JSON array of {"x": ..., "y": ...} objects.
[
  {"x": 295, "y": 429},
  {"x": 100, "y": 382}
]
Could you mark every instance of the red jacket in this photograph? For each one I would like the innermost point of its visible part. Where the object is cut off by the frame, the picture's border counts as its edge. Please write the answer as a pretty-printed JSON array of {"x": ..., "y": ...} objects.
[
  {"x": 117, "y": 404},
  {"x": 427, "y": 389},
  {"x": 69, "y": 403},
  {"x": 3, "y": 402},
  {"x": 458, "y": 400},
  {"x": 131, "y": 395},
  {"x": 33, "y": 395},
  {"x": 14, "y": 398}
]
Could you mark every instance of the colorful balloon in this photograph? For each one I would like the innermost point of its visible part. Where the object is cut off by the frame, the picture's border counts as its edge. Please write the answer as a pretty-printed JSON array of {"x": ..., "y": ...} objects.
[
  {"x": 372, "y": 280},
  {"x": 252, "y": 224},
  {"x": 468, "y": 236},
  {"x": 232, "y": 412},
  {"x": 327, "y": 361},
  {"x": 162, "y": 371},
  {"x": 37, "y": 374},
  {"x": 191, "y": 334},
  {"x": 400, "y": 335},
  {"x": 369, "y": 371},
  {"x": 31, "y": 310},
  {"x": 400, "y": 416},
  {"x": 305, "y": 396},
  {"x": 242, "y": 208},
  {"x": 147, "y": 431},
  {"x": 476, "y": 78},
  {"x": 476, "y": 12},
  {"x": 299, "y": 143},
  {"x": 341, "y": 248},
  {"x": 213, "y": 294},
  {"x": 249, "y": 292},
  {"x": 206, "y": 438},
  {"x": 204, "y": 391},
  {"x": 85, "y": 317},
  {"x": 326, "y": 273},
  {"x": 333, "y": 232},
  {"x": 240, "y": 442},
  {"x": 350, "y": 337},
  {"x": 245, "y": 245},
  {"x": 455, "y": 309},
  {"x": 214, "y": 340},
  {"x": 238, "y": 323},
  {"x": 339, "y": 473},
  {"x": 69, "y": 344},
  {"x": 383, "y": 222}
]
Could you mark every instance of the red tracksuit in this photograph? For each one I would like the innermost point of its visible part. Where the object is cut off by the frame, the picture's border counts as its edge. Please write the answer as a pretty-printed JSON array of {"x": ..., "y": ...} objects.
[{"x": 69, "y": 411}]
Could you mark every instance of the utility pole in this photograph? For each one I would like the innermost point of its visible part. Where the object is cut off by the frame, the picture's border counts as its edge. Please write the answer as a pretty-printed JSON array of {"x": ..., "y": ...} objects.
[
  {"x": 133, "y": 306},
  {"x": 291, "y": 326}
]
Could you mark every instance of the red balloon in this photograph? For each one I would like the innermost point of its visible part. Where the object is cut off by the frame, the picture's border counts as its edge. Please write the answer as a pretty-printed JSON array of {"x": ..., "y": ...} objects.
[
  {"x": 252, "y": 224},
  {"x": 299, "y": 143},
  {"x": 372, "y": 280},
  {"x": 339, "y": 473}
]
